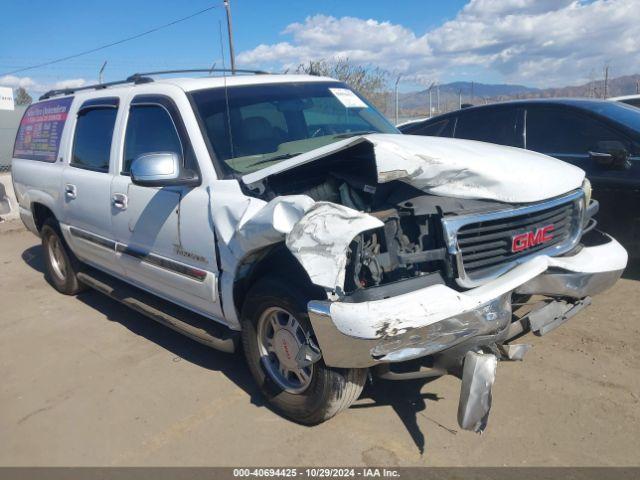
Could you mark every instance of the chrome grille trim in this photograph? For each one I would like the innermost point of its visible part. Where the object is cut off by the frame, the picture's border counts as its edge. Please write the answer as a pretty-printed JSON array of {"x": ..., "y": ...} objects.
[{"x": 451, "y": 225}]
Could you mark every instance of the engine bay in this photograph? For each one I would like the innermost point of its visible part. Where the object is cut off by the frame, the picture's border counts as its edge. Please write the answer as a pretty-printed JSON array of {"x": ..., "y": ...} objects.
[{"x": 409, "y": 246}]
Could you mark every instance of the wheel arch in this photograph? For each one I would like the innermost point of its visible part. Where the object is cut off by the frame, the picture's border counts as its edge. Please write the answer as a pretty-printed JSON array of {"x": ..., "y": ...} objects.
[{"x": 275, "y": 260}]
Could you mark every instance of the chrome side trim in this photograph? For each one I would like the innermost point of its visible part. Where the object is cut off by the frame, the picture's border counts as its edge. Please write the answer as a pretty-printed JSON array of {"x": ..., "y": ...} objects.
[
  {"x": 163, "y": 262},
  {"x": 93, "y": 238},
  {"x": 451, "y": 225},
  {"x": 152, "y": 258}
]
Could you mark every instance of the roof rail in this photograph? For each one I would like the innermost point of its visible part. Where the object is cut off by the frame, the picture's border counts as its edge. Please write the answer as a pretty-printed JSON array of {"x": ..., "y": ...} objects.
[{"x": 138, "y": 78}]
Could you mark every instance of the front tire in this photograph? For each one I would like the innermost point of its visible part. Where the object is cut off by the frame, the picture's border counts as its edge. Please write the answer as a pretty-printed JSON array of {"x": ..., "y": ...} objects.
[
  {"x": 61, "y": 264},
  {"x": 275, "y": 325}
]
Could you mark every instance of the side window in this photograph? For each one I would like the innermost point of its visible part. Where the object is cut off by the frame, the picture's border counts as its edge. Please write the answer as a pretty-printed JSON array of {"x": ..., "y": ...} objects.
[
  {"x": 149, "y": 129},
  {"x": 491, "y": 125},
  {"x": 92, "y": 139},
  {"x": 443, "y": 128},
  {"x": 562, "y": 131}
]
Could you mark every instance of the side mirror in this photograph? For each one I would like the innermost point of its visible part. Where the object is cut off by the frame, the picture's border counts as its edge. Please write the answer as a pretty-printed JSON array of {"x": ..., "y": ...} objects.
[{"x": 161, "y": 169}]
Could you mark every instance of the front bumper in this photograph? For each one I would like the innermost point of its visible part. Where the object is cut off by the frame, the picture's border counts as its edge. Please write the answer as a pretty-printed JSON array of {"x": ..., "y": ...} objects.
[{"x": 432, "y": 319}]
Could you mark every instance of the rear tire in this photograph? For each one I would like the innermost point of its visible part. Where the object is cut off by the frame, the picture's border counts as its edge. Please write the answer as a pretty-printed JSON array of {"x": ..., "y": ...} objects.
[
  {"x": 325, "y": 391},
  {"x": 61, "y": 264}
]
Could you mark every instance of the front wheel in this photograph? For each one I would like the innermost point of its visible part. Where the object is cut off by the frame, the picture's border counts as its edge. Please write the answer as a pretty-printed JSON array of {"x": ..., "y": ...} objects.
[{"x": 275, "y": 329}]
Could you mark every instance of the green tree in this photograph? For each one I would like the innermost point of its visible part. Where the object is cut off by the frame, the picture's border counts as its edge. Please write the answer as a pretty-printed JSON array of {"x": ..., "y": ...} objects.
[
  {"x": 370, "y": 82},
  {"x": 21, "y": 97}
]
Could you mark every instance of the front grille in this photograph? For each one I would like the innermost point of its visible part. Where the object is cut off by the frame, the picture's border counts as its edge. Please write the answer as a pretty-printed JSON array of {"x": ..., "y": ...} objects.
[{"x": 483, "y": 244}]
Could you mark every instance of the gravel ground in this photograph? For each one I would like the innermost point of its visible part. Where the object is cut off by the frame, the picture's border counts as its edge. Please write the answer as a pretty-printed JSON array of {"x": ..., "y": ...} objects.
[{"x": 85, "y": 381}]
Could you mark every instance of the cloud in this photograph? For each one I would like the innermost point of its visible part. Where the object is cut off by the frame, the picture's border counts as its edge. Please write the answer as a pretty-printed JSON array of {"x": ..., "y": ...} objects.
[
  {"x": 541, "y": 42},
  {"x": 15, "y": 82},
  {"x": 34, "y": 86}
]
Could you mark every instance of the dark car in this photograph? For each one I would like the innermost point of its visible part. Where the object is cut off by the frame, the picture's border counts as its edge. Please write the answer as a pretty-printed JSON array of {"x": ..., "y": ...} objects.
[{"x": 601, "y": 137}]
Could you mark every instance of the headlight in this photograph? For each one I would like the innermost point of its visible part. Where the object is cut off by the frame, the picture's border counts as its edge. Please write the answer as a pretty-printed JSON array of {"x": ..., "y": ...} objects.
[{"x": 586, "y": 186}]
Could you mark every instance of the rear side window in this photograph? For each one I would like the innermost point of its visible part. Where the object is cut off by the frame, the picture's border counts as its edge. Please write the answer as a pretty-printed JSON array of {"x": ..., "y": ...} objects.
[
  {"x": 443, "y": 128},
  {"x": 92, "y": 139},
  {"x": 40, "y": 130},
  {"x": 149, "y": 129},
  {"x": 494, "y": 126},
  {"x": 561, "y": 130}
]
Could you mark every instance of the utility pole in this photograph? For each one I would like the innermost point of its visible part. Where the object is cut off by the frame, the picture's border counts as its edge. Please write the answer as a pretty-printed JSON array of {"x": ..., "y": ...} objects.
[
  {"x": 459, "y": 99},
  {"x": 471, "y": 101},
  {"x": 397, "y": 100},
  {"x": 438, "y": 98},
  {"x": 430, "y": 102},
  {"x": 227, "y": 7},
  {"x": 637, "y": 86},
  {"x": 606, "y": 81},
  {"x": 101, "y": 72}
]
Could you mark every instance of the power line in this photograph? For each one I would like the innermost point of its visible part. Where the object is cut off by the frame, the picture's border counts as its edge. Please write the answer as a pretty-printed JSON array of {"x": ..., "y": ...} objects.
[{"x": 133, "y": 37}]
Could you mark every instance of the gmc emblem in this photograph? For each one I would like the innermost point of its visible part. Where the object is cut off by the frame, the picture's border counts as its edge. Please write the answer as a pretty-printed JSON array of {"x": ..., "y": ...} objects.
[{"x": 522, "y": 241}]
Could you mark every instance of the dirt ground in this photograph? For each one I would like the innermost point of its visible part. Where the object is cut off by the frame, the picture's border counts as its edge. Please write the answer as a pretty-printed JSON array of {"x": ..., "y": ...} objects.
[{"x": 85, "y": 381}]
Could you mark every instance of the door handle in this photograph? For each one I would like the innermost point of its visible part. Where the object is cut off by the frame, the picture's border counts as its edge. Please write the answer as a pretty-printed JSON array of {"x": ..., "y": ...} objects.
[
  {"x": 70, "y": 191},
  {"x": 119, "y": 200}
]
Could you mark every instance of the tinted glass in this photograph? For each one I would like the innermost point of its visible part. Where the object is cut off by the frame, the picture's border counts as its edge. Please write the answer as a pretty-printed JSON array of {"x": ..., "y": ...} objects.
[
  {"x": 149, "y": 129},
  {"x": 566, "y": 131},
  {"x": 490, "y": 125},
  {"x": 442, "y": 128},
  {"x": 252, "y": 127},
  {"x": 632, "y": 101},
  {"x": 92, "y": 140},
  {"x": 617, "y": 112}
]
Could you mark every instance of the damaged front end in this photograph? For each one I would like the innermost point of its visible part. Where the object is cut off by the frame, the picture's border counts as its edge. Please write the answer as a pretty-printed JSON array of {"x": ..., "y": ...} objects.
[{"x": 427, "y": 262}]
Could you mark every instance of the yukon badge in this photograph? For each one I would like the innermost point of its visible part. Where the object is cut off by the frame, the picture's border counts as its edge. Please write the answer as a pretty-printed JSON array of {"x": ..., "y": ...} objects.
[{"x": 523, "y": 241}]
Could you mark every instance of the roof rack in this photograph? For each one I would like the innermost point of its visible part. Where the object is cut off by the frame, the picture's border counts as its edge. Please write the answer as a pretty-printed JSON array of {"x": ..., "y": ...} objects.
[{"x": 138, "y": 78}]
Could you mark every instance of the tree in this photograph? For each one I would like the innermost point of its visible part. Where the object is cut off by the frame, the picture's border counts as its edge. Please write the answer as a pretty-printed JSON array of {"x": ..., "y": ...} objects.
[
  {"x": 21, "y": 97},
  {"x": 369, "y": 82}
]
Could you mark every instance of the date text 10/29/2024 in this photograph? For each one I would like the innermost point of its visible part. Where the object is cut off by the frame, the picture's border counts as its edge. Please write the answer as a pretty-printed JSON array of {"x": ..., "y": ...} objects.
[{"x": 316, "y": 472}]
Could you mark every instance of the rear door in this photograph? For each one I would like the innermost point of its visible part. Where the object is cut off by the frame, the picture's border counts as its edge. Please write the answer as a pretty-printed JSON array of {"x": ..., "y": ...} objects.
[
  {"x": 86, "y": 183},
  {"x": 165, "y": 237},
  {"x": 501, "y": 125}
]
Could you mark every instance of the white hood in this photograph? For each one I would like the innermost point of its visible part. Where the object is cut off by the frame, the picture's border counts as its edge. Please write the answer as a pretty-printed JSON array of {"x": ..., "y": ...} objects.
[{"x": 454, "y": 168}]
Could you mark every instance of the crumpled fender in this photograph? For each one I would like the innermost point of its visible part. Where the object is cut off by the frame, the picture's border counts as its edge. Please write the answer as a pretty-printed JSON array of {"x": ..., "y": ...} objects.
[
  {"x": 270, "y": 224},
  {"x": 320, "y": 239},
  {"x": 318, "y": 234}
]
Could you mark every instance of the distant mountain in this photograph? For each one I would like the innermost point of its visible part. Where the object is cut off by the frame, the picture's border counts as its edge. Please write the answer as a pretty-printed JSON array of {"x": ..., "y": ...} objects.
[{"x": 417, "y": 103}]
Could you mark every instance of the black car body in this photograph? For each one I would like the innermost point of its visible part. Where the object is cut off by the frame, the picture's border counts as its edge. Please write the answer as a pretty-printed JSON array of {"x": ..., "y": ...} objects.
[{"x": 601, "y": 137}]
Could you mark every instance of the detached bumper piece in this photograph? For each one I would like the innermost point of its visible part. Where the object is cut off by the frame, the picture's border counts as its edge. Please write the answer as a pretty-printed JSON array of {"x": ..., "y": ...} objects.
[{"x": 478, "y": 375}]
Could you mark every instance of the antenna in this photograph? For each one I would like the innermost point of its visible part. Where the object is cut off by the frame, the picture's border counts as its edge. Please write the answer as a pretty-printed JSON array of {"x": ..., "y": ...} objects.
[
  {"x": 226, "y": 94},
  {"x": 101, "y": 72},
  {"x": 397, "y": 102},
  {"x": 232, "y": 55}
]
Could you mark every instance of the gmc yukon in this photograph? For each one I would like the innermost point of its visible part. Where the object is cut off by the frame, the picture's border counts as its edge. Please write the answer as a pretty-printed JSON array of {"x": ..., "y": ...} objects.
[{"x": 283, "y": 215}]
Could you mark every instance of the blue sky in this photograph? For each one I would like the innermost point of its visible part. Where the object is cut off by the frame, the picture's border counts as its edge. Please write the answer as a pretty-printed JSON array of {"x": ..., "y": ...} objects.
[{"x": 535, "y": 42}]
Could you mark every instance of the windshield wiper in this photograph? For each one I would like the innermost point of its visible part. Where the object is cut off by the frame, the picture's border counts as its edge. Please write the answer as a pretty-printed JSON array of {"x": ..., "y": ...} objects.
[{"x": 353, "y": 134}]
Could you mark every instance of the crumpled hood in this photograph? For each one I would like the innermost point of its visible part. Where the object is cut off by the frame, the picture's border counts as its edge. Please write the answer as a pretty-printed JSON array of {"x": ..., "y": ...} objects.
[{"x": 453, "y": 167}]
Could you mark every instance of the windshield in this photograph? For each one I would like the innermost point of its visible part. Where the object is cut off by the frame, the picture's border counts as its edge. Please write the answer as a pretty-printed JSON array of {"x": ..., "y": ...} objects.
[{"x": 255, "y": 126}]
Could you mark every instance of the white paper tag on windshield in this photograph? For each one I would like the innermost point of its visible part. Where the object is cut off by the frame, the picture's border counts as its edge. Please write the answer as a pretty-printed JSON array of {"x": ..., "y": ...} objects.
[{"x": 348, "y": 98}]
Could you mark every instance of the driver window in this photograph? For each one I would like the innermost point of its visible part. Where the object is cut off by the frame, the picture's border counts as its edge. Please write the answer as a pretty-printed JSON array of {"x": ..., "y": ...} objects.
[{"x": 149, "y": 129}]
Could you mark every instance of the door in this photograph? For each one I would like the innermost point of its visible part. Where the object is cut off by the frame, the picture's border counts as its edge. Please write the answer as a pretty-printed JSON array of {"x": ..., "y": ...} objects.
[
  {"x": 578, "y": 138},
  {"x": 86, "y": 186},
  {"x": 501, "y": 125},
  {"x": 166, "y": 242}
]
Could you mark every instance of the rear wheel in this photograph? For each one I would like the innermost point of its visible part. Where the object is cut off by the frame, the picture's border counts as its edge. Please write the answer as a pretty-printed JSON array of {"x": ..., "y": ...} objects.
[
  {"x": 62, "y": 266},
  {"x": 276, "y": 334}
]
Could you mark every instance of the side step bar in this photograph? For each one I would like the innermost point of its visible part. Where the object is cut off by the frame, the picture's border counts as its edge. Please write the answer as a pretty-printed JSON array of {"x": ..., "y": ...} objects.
[{"x": 191, "y": 324}]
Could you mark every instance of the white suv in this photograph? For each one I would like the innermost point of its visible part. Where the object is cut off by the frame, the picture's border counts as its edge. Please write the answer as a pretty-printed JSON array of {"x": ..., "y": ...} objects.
[{"x": 284, "y": 213}]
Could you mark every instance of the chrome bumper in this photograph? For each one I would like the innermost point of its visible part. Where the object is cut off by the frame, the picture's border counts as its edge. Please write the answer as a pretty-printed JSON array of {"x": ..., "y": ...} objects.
[{"x": 435, "y": 318}]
